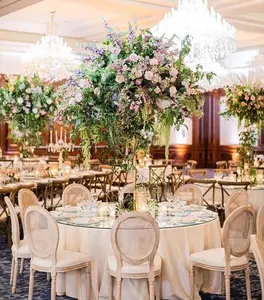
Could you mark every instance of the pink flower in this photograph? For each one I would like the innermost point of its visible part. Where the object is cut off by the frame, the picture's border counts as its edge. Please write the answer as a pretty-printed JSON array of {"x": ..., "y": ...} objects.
[
  {"x": 116, "y": 50},
  {"x": 78, "y": 97},
  {"x": 134, "y": 107},
  {"x": 173, "y": 72},
  {"x": 252, "y": 97},
  {"x": 133, "y": 57},
  {"x": 154, "y": 62},
  {"x": 149, "y": 75},
  {"x": 157, "y": 90},
  {"x": 173, "y": 91},
  {"x": 42, "y": 112},
  {"x": 120, "y": 78},
  {"x": 138, "y": 82},
  {"x": 246, "y": 97},
  {"x": 14, "y": 110},
  {"x": 84, "y": 83},
  {"x": 138, "y": 73}
]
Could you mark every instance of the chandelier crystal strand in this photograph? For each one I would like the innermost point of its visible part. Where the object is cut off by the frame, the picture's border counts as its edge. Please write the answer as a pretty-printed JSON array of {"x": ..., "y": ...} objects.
[
  {"x": 51, "y": 58},
  {"x": 212, "y": 38}
]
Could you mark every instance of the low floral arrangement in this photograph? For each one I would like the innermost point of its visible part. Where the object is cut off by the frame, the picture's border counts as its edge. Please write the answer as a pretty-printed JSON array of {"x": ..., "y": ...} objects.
[
  {"x": 129, "y": 88},
  {"x": 245, "y": 100},
  {"x": 27, "y": 105}
]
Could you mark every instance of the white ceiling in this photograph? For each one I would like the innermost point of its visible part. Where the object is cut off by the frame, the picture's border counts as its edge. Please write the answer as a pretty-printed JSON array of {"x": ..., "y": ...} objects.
[{"x": 22, "y": 22}]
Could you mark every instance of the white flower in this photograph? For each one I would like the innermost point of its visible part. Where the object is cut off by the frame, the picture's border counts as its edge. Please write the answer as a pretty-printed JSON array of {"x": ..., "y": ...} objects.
[
  {"x": 72, "y": 101},
  {"x": 49, "y": 101},
  {"x": 20, "y": 100},
  {"x": 149, "y": 75},
  {"x": 157, "y": 90},
  {"x": 26, "y": 110},
  {"x": 138, "y": 74},
  {"x": 35, "y": 110},
  {"x": 133, "y": 57},
  {"x": 174, "y": 72},
  {"x": 78, "y": 97},
  {"x": 154, "y": 62},
  {"x": 185, "y": 83},
  {"x": 173, "y": 79},
  {"x": 173, "y": 91},
  {"x": 120, "y": 78},
  {"x": 84, "y": 83},
  {"x": 96, "y": 91},
  {"x": 22, "y": 86},
  {"x": 163, "y": 103}
]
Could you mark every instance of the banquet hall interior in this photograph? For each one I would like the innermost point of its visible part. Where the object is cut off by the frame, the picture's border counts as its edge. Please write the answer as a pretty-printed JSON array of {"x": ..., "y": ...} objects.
[{"x": 132, "y": 149}]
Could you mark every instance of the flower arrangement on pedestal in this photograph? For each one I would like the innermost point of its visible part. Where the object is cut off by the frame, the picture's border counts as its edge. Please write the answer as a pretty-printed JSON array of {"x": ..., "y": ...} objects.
[
  {"x": 131, "y": 86},
  {"x": 246, "y": 102},
  {"x": 27, "y": 105}
]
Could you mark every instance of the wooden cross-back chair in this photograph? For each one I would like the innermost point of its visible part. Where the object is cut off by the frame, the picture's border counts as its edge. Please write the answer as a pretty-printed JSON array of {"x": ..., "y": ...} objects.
[
  {"x": 192, "y": 164},
  {"x": 88, "y": 181},
  {"x": 198, "y": 173},
  {"x": 10, "y": 192},
  {"x": 209, "y": 185},
  {"x": 44, "y": 194},
  {"x": 225, "y": 184},
  {"x": 157, "y": 179},
  {"x": 222, "y": 164},
  {"x": 175, "y": 179},
  {"x": 119, "y": 175},
  {"x": 103, "y": 183},
  {"x": 58, "y": 186},
  {"x": 6, "y": 163}
]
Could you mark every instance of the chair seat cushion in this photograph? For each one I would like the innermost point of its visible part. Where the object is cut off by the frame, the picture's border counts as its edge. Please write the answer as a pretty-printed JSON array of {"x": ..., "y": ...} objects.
[
  {"x": 134, "y": 269},
  {"x": 216, "y": 258},
  {"x": 22, "y": 250},
  {"x": 65, "y": 260}
]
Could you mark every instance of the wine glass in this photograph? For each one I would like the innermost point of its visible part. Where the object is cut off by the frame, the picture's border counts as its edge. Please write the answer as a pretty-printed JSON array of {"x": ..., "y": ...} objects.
[{"x": 95, "y": 197}]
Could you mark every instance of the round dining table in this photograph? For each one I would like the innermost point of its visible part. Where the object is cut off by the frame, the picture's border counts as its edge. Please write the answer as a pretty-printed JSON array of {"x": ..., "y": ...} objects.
[{"x": 177, "y": 241}]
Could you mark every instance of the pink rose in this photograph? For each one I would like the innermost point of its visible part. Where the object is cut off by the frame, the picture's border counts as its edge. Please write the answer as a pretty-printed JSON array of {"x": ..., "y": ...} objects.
[
  {"x": 173, "y": 72},
  {"x": 252, "y": 97},
  {"x": 154, "y": 62},
  {"x": 246, "y": 97},
  {"x": 149, "y": 75},
  {"x": 173, "y": 91},
  {"x": 133, "y": 57}
]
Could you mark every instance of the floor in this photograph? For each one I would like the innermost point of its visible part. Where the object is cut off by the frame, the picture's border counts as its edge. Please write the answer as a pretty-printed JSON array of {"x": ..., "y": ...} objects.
[{"x": 42, "y": 287}]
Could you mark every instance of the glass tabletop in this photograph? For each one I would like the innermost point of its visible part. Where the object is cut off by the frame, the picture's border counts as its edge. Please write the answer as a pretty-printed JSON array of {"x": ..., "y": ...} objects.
[{"x": 168, "y": 216}]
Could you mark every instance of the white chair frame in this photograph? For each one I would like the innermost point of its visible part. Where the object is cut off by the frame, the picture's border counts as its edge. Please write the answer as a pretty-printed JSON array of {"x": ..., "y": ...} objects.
[
  {"x": 50, "y": 254},
  {"x": 228, "y": 252},
  {"x": 16, "y": 254},
  {"x": 69, "y": 188},
  {"x": 121, "y": 257}
]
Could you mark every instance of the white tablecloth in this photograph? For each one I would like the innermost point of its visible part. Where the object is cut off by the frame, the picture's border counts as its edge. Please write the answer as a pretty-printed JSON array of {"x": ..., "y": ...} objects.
[
  {"x": 255, "y": 195},
  {"x": 176, "y": 245}
]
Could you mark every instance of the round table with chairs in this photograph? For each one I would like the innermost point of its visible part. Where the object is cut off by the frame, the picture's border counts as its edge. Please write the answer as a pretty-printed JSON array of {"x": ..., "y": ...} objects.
[
  {"x": 177, "y": 242},
  {"x": 255, "y": 194}
]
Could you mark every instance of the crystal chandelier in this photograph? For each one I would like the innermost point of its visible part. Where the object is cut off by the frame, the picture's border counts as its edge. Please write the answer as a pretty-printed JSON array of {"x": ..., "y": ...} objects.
[
  {"x": 51, "y": 58},
  {"x": 211, "y": 36}
]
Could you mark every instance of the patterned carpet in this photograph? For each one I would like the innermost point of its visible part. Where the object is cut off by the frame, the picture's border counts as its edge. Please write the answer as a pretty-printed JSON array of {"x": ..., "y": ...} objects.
[{"x": 42, "y": 287}]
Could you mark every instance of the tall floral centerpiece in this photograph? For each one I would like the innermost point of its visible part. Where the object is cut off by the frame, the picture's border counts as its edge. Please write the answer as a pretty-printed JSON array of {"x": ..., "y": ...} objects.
[
  {"x": 245, "y": 100},
  {"x": 27, "y": 105},
  {"x": 129, "y": 88}
]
